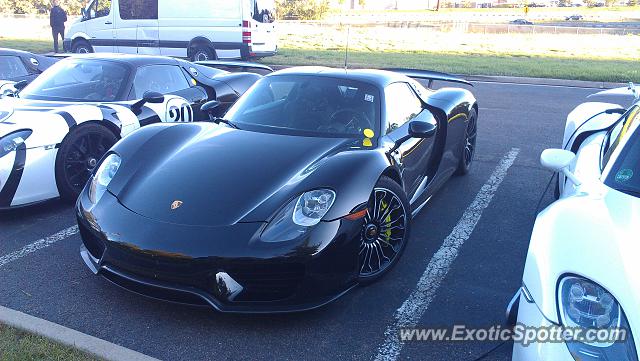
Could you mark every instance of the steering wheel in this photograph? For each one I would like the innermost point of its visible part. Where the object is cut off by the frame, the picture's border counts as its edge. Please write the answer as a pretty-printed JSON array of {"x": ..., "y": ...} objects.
[{"x": 349, "y": 119}]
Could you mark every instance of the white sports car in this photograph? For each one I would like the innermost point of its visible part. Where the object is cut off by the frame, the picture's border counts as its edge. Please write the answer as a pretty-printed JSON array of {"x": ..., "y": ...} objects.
[
  {"x": 54, "y": 131},
  {"x": 582, "y": 271}
]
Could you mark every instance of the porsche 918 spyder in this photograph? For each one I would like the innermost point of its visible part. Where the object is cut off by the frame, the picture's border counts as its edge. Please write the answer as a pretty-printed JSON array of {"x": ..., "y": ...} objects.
[
  {"x": 54, "y": 131},
  {"x": 582, "y": 262},
  {"x": 305, "y": 190}
]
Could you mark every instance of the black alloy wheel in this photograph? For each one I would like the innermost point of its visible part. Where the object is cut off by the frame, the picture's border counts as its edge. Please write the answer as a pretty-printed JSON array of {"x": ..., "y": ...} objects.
[
  {"x": 385, "y": 231},
  {"x": 79, "y": 155}
]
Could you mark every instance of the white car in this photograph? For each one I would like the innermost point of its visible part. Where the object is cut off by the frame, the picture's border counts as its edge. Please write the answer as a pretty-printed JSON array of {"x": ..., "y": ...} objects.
[
  {"x": 54, "y": 131},
  {"x": 582, "y": 270}
]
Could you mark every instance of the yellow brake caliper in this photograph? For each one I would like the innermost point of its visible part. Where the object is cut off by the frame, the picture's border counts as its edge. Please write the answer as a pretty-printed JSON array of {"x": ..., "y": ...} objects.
[{"x": 387, "y": 233}]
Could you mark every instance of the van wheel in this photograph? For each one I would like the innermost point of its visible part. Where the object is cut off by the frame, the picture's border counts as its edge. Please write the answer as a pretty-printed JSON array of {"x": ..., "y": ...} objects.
[
  {"x": 203, "y": 53},
  {"x": 82, "y": 47}
]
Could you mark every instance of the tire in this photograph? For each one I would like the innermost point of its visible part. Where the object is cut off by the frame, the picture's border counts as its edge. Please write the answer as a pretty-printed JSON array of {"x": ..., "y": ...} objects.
[
  {"x": 381, "y": 249},
  {"x": 203, "y": 53},
  {"x": 468, "y": 150},
  {"x": 81, "y": 47},
  {"x": 79, "y": 154}
]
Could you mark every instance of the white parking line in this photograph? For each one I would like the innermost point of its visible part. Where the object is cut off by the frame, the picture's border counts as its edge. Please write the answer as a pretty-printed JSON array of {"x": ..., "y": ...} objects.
[
  {"x": 412, "y": 310},
  {"x": 38, "y": 245}
]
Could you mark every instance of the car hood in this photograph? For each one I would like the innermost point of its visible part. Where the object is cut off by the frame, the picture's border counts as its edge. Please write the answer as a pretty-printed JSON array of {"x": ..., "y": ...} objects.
[
  {"x": 219, "y": 176},
  {"x": 593, "y": 234}
]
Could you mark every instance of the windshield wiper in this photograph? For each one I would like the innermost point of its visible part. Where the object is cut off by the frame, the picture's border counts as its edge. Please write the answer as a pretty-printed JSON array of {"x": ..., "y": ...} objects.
[{"x": 225, "y": 121}]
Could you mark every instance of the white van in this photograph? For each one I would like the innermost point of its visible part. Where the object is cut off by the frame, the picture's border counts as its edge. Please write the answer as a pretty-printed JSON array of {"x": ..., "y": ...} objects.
[{"x": 194, "y": 29}]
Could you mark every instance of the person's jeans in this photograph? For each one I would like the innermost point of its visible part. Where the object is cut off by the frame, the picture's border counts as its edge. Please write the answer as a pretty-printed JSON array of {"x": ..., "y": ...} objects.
[{"x": 55, "y": 33}]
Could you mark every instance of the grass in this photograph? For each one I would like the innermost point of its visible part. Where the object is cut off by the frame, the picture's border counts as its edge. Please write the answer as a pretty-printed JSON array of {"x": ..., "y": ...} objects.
[
  {"x": 471, "y": 63},
  {"x": 19, "y": 346},
  {"x": 34, "y": 46}
]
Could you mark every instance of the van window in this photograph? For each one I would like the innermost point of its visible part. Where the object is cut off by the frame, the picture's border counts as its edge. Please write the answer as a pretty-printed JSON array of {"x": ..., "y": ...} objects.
[
  {"x": 98, "y": 9},
  {"x": 209, "y": 9},
  {"x": 264, "y": 11},
  {"x": 164, "y": 79},
  {"x": 138, "y": 9}
]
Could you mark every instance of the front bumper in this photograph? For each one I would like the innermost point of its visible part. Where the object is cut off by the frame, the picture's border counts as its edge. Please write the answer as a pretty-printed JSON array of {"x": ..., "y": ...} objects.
[
  {"x": 227, "y": 268},
  {"x": 530, "y": 315}
]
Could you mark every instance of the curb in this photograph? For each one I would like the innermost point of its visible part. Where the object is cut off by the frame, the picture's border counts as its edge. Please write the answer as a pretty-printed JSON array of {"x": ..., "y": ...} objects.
[
  {"x": 66, "y": 336},
  {"x": 545, "y": 81},
  {"x": 521, "y": 80}
]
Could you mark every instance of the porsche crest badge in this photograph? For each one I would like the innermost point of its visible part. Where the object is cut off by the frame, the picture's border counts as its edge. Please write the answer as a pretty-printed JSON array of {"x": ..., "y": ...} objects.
[{"x": 175, "y": 205}]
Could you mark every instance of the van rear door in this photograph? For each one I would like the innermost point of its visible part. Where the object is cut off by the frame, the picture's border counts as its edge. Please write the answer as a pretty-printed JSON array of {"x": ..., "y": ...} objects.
[
  {"x": 263, "y": 34},
  {"x": 137, "y": 27}
]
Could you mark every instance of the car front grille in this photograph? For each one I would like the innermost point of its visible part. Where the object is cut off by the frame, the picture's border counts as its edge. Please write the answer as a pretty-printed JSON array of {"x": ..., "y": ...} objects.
[{"x": 267, "y": 282}]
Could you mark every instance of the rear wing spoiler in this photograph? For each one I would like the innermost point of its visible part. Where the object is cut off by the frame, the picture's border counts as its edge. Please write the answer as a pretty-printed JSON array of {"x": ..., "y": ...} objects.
[
  {"x": 236, "y": 66},
  {"x": 429, "y": 75}
]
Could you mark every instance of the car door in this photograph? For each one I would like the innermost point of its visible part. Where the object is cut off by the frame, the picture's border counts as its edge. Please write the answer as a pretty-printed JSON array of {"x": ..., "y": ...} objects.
[
  {"x": 99, "y": 23},
  {"x": 181, "y": 96},
  {"x": 402, "y": 106},
  {"x": 137, "y": 29}
]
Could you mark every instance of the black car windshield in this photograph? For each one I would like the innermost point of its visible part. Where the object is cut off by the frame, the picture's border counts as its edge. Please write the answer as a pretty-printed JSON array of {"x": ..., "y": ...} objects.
[
  {"x": 309, "y": 105},
  {"x": 625, "y": 172},
  {"x": 80, "y": 80}
]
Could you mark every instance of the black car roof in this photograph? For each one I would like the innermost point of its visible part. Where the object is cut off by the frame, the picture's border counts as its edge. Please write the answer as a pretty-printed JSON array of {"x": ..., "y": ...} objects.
[
  {"x": 135, "y": 60},
  {"x": 380, "y": 78},
  {"x": 6, "y": 52}
]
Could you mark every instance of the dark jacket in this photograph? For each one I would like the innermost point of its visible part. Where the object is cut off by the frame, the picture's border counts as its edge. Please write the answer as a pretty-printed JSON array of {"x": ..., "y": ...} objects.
[{"x": 57, "y": 18}]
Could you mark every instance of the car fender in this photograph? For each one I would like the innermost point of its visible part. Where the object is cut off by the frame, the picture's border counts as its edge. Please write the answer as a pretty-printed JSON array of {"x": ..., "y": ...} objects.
[
  {"x": 80, "y": 35},
  {"x": 351, "y": 174},
  {"x": 586, "y": 119},
  {"x": 591, "y": 236}
]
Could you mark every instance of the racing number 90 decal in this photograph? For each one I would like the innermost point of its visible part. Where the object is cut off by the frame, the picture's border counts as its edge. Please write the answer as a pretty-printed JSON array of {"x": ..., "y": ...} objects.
[{"x": 178, "y": 110}]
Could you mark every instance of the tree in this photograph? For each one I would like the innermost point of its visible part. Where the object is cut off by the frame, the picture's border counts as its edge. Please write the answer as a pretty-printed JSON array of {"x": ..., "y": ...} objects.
[{"x": 302, "y": 9}]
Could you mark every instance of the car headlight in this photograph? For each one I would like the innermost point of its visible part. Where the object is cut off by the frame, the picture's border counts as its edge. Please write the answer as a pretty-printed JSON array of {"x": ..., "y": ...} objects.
[
  {"x": 302, "y": 213},
  {"x": 103, "y": 177},
  {"x": 12, "y": 141},
  {"x": 586, "y": 305}
]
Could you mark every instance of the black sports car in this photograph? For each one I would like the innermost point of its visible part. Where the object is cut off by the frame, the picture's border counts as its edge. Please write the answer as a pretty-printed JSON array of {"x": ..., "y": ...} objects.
[
  {"x": 304, "y": 191},
  {"x": 16, "y": 66}
]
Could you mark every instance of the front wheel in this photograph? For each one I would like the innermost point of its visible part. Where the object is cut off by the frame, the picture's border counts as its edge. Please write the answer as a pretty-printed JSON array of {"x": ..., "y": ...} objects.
[
  {"x": 469, "y": 146},
  {"x": 385, "y": 232},
  {"x": 82, "y": 47},
  {"x": 78, "y": 155}
]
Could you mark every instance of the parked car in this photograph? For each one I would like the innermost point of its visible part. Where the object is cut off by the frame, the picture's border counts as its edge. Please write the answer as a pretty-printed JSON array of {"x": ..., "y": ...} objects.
[
  {"x": 582, "y": 263},
  {"x": 194, "y": 29},
  {"x": 574, "y": 17},
  {"x": 55, "y": 130},
  {"x": 307, "y": 191},
  {"x": 16, "y": 66},
  {"x": 521, "y": 22}
]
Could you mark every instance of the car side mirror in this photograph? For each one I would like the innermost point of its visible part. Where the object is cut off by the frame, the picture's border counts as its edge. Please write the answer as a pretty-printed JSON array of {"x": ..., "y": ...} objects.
[
  {"x": 210, "y": 107},
  {"x": 148, "y": 97},
  {"x": 20, "y": 85},
  {"x": 418, "y": 129},
  {"x": 559, "y": 160}
]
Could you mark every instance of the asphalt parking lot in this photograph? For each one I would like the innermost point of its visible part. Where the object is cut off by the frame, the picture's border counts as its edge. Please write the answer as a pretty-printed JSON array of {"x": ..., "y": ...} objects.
[{"x": 49, "y": 280}]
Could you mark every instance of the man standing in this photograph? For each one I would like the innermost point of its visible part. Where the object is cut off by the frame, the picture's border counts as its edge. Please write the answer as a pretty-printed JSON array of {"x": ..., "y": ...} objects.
[{"x": 57, "y": 19}]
